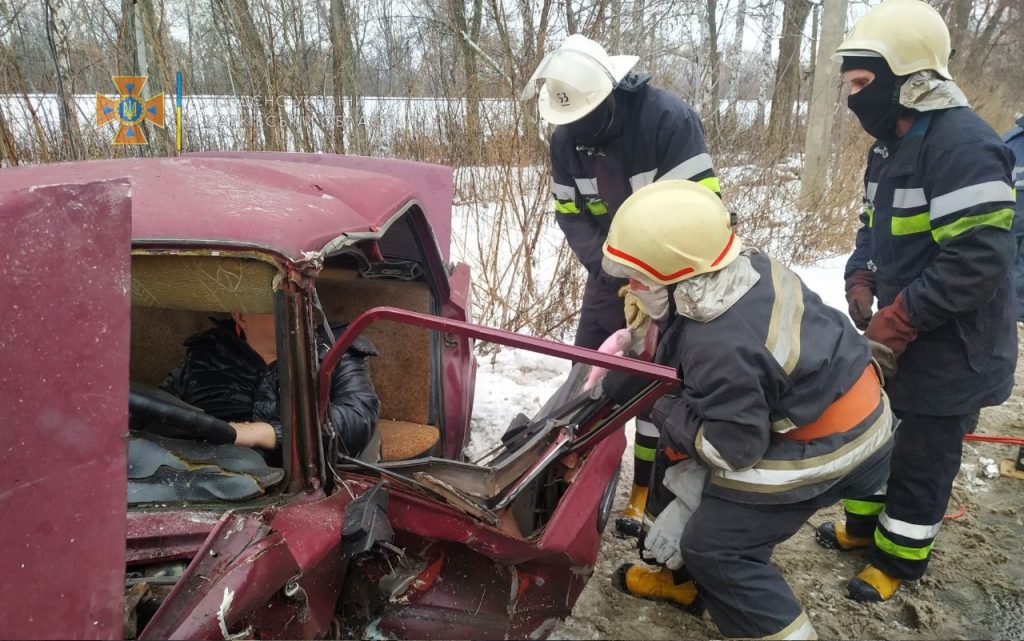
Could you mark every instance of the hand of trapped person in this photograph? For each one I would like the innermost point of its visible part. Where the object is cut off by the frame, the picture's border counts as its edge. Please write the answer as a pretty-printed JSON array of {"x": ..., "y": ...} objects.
[
  {"x": 615, "y": 344},
  {"x": 891, "y": 327},
  {"x": 860, "y": 295},
  {"x": 255, "y": 435}
]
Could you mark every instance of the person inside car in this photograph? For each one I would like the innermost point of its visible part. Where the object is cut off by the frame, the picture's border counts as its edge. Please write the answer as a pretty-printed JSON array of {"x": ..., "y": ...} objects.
[{"x": 230, "y": 372}]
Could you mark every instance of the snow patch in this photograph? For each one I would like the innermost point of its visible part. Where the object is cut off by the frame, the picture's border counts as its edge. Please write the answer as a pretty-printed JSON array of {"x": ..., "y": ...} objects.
[{"x": 507, "y": 383}]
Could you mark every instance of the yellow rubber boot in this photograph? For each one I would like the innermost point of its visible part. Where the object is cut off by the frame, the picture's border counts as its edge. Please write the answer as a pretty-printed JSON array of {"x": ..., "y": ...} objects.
[
  {"x": 872, "y": 584},
  {"x": 834, "y": 536},
  {"x": 657, "y": 584},
  {"x": 629, "y": 524}
]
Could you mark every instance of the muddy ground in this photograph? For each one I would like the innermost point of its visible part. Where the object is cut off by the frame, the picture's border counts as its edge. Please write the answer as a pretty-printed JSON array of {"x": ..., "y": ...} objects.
[{"x": 974, "y": 588}]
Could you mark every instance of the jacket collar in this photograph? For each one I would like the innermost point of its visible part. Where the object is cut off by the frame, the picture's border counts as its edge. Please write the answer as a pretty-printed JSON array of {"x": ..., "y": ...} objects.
[
  {"x": 906, "y": 150},
  {"x": 706, "y": 297}
]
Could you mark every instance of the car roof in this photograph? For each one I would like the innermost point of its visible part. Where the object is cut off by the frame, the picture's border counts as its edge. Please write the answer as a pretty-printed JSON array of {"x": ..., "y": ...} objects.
[{"x": 287, "y": 203}]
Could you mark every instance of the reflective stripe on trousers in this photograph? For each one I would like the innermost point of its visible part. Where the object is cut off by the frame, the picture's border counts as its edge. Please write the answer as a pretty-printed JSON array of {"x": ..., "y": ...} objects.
[{"x": 925, "y": 460}]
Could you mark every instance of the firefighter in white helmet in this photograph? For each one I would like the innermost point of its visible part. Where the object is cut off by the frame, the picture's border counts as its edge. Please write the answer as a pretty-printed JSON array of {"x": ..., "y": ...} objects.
[
  {"x": 779, "y": 402},
  {"x": 934, "y": 250},
  {"x": 615, "y": 133}
]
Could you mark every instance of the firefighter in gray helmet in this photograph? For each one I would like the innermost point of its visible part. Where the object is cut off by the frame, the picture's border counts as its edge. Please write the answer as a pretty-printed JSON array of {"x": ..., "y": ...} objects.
[
  {"x": 934, "y": 251},
  {"x": 780, "y": 410},
  {"x": 615, "y": 133}
]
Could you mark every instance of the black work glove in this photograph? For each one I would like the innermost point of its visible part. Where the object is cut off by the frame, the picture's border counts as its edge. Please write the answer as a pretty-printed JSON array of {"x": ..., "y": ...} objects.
[
  {"x": 665, "y": 407},
  {"x": 621, "y": 387},
  {"x": 860, "y": 295}
]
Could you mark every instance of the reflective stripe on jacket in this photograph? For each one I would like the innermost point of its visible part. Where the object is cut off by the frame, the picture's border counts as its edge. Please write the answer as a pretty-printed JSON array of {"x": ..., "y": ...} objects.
[
  {"x": 777, "y": 360},
  {"x": 936, "y": 226}
]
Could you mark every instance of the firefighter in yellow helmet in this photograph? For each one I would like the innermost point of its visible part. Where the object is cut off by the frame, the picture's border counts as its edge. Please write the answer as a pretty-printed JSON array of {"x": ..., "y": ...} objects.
[
  {"x": 615, "y": 132},
  {"x": 934, "y": 250},
  {"x": 779, "y": 411}
]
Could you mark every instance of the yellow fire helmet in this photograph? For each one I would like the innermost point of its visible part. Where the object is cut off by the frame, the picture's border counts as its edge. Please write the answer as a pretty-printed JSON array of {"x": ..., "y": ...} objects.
[
  {"x": 669, "y": 231},
  {"x": 574, "y": 79},
  {"x": 909, "y": 34}
]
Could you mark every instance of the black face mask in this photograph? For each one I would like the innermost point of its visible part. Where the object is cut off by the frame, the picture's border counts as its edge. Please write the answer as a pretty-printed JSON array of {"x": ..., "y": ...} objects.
[
  {"x": 593, "y": 128},
  {"x": 877, "y": 106}
]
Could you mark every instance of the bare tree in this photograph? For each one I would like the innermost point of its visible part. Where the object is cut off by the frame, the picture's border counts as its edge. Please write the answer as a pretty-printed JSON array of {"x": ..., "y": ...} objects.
[
  {"x": 259, "y": 70},
  {"x": 8, "y": 148},
  {"x": 468, "y": 33},
  {"x": 734, "y": 55},
  {"x": 787, "y": 72},
  {"x": 58, "y": 42},
  {"x": 765, "y": 80},
  {"x": 822, "y": 107},
  {"x": 150, "y": 61},
  {"x": 714, "y": 66},
  {"x": 345, "y": 75}
]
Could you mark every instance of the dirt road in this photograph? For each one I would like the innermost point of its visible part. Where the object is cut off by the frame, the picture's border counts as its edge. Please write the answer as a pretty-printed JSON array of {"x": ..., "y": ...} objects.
[{"x": 974, "y": 588}]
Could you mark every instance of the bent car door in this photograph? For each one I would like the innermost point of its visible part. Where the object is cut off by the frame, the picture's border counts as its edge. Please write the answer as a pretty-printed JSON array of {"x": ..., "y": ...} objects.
[{"x": 63, "y": 395}]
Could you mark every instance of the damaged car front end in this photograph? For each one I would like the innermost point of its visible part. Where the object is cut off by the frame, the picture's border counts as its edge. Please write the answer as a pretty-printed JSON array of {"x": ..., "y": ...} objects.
[{"x": 217, "y": 541}]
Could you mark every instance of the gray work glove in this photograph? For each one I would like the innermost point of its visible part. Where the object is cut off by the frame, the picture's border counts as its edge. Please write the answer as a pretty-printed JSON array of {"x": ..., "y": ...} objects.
[
  {"x": 662, "y": 542},
  {"x": 686, "y": 480}
]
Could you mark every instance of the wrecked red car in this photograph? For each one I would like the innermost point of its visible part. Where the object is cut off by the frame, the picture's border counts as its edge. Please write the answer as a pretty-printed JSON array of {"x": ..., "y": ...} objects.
[{"x": 110, "y": 265}]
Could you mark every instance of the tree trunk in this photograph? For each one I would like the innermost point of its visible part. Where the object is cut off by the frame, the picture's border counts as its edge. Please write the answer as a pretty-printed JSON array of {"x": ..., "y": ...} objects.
[
  {"x": 152, "y": 64},
  {"x": 822, "y": 105},
  {"x": 787, "y": 74},
  {"x": 469, "y": 32},
  {"x": 57, "y": 43},
  {"x": 959, "y": 21},
  {"x": 338, "y": 55},
  {"x": 714, "y": 64},
  {"x": 127, "y": 61},
  {"x": 570, "y": 19},
  {"x": 345, "y": 65},
  {"x": 8, "y": 149},
  {"x": 261, "y": 79},
  {"x": 982, "y": 46},
  {"x": 734, "y": 57},
  {"x": 766, "y": 76},
  {"x": 615, "y": 37},
  {"x": 815, "y": 28},
  {"x": 21, "y": 88}
]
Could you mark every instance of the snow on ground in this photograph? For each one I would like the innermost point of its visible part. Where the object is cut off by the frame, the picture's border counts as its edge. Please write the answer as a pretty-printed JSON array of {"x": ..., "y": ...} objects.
[
  {"x": 507, "y": 383},
  {"x": 826, "y": 280}
]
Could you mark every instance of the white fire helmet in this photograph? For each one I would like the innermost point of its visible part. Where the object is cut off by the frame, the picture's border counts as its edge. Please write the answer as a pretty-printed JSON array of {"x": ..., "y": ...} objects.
[
  {"x": 574, "y": 79},
  {"x": 909, "y": 34}
]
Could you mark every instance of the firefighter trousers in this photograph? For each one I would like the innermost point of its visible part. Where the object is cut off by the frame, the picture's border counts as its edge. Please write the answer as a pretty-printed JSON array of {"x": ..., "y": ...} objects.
[
  {"x": 905, "y": 517},
  {"x": 601, "y": 311},
  {"x": 727, "y": 549}
]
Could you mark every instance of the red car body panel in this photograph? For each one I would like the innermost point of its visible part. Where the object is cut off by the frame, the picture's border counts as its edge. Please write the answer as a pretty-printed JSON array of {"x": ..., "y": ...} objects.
[
  {"x": 63, "y": 394},
  {"x": 431, "y": 185},
  {"x": 292, "y": 553},
  {"x": 457, "y": 380},
  {"x": 211, "y": 199}
]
